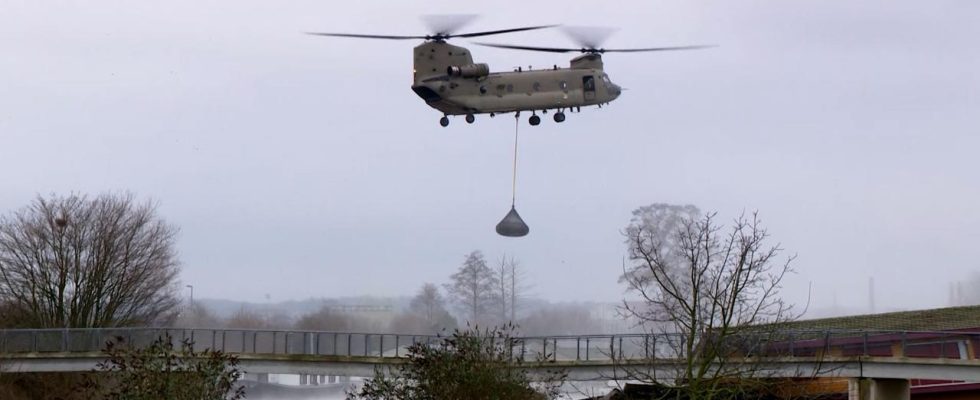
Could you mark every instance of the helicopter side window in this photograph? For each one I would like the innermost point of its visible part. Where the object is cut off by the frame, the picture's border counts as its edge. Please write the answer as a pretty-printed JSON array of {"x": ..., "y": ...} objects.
[
  {"x": 483, "y": 89},
  {"x": 536, "y": 86},
  {"x": 588, "y": 83},
  {"x": 563, "y": 85},
  {"x": 510, "y": 88}
]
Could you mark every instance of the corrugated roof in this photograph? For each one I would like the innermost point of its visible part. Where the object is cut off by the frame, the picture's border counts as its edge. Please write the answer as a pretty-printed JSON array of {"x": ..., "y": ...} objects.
[{"x": 938, "y": 319}]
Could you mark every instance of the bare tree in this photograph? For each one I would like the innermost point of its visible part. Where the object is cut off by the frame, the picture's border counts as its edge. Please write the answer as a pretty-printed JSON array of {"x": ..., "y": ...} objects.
[
  {"x": 561, "y": 319},
  {"x": 502, "y": 293},
  {"x": 426, "y": 314},
  {"x": 328, "y": 318},
  {"x": 660, "y": 224},
  {"x": 80, "y": 262},
  {"x": 472, "y": 287},
  {"x": 964, "y": 293},
  {"x": 510, "y": 288},
  {"x": 431, "y": 306},
  {"x": 248, "y": 319},
  {"x": 197, "y": 315},
  {"x": 703, "y": 289},
  {"x": 428, "y": 302}
]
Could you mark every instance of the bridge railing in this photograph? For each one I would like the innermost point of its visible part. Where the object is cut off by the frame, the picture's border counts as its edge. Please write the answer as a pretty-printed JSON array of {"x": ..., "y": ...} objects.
[{"x": 944, "y": 344}]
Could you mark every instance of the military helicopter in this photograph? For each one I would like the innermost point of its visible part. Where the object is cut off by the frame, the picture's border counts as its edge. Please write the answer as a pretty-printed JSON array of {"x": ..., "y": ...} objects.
[{"x": 446, "y": 77}]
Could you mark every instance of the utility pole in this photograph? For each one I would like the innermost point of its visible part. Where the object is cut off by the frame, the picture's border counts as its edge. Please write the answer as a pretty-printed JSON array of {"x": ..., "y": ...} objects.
[{"x": 192, "y": 294}]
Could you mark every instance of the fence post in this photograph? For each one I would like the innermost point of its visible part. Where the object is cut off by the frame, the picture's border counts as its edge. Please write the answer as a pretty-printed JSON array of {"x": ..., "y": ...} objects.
[{"x": 942, "y": 342}]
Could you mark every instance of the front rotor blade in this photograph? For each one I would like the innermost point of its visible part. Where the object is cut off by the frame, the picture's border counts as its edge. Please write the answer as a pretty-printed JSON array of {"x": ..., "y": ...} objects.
[
  {"x": 487, "y": 33},
  {"x": 653, "y": 49},
  {"x": 354, "y": 35},
  {"x": 446, "y": 24},
  {"x": 530, "y": 48}
]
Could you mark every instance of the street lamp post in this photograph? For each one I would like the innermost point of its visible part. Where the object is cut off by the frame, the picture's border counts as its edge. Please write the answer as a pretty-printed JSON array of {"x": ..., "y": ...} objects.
[{"x": 192, "y": 294}]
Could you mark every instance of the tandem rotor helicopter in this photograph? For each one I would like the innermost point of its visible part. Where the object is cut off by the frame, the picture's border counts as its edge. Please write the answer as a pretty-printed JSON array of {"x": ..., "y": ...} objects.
[{"x": 446, "y": 77}]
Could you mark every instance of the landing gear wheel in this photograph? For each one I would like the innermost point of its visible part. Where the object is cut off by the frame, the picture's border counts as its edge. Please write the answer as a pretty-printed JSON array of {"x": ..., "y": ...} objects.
[
  {"x": 559, "y": 117},
  {"x": 444, "y": 121},
  {"x": 470, "y": 118},
  {"x": 534, "y": 120}
]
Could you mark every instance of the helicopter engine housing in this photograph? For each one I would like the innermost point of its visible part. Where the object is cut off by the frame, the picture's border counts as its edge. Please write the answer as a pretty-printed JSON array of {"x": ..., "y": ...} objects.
[{"x": 469, "y": 71}]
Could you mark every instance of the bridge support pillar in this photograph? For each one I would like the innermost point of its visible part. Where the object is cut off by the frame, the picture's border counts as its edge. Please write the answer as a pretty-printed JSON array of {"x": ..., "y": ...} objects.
[{"x": 878, "y": 389}]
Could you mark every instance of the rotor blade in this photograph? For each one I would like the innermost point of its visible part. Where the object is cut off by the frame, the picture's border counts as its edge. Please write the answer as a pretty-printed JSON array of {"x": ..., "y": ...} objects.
[
  {"x": 654, "y": 49},
  {"x": 354, "y": 35},
  {"x": 487, "y": 33},
  {"x": 446, "y": 24},
  {"x": 590, "y": 37},
  {"x": 530, "y": 48}
]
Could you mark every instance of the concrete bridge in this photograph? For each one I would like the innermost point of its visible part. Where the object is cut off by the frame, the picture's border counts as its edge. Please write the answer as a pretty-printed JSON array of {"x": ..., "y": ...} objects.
[{"x": 883, "y": 356}]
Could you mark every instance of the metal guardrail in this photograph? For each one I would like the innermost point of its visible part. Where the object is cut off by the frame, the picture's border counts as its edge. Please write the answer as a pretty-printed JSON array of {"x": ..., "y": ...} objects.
[{"x": 944, "y": 344}]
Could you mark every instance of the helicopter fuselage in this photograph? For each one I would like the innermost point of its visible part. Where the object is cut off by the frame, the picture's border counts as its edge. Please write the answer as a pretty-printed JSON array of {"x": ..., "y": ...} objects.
[{"x": 448, "y": 80}]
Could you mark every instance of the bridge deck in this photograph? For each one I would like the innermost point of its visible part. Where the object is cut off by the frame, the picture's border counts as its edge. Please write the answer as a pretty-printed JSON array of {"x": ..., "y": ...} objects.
[{"x": 880, "y": 354}]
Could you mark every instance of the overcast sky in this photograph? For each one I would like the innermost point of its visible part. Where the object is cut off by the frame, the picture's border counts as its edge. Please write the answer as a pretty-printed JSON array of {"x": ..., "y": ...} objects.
[{"x": 299, "y": 166}]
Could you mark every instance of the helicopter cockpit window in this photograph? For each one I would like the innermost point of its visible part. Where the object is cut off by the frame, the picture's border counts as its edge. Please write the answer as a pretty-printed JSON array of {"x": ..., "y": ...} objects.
[{"x": 605, "y": 79}]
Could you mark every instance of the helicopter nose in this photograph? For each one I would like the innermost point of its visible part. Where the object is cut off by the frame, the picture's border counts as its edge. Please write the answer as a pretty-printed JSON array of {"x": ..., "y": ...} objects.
[{"x": 615, "y": 90}]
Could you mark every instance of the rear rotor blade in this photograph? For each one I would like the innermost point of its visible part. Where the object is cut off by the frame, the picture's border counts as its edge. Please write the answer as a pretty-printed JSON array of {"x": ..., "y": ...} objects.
[
  {"x": 587, "y": 50},
  {"x": 354, "y": 35},
  {"x": 497, "y": 32},
  {"x": 590, "y": 37},
  {"x": 531, "y": 48}
]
